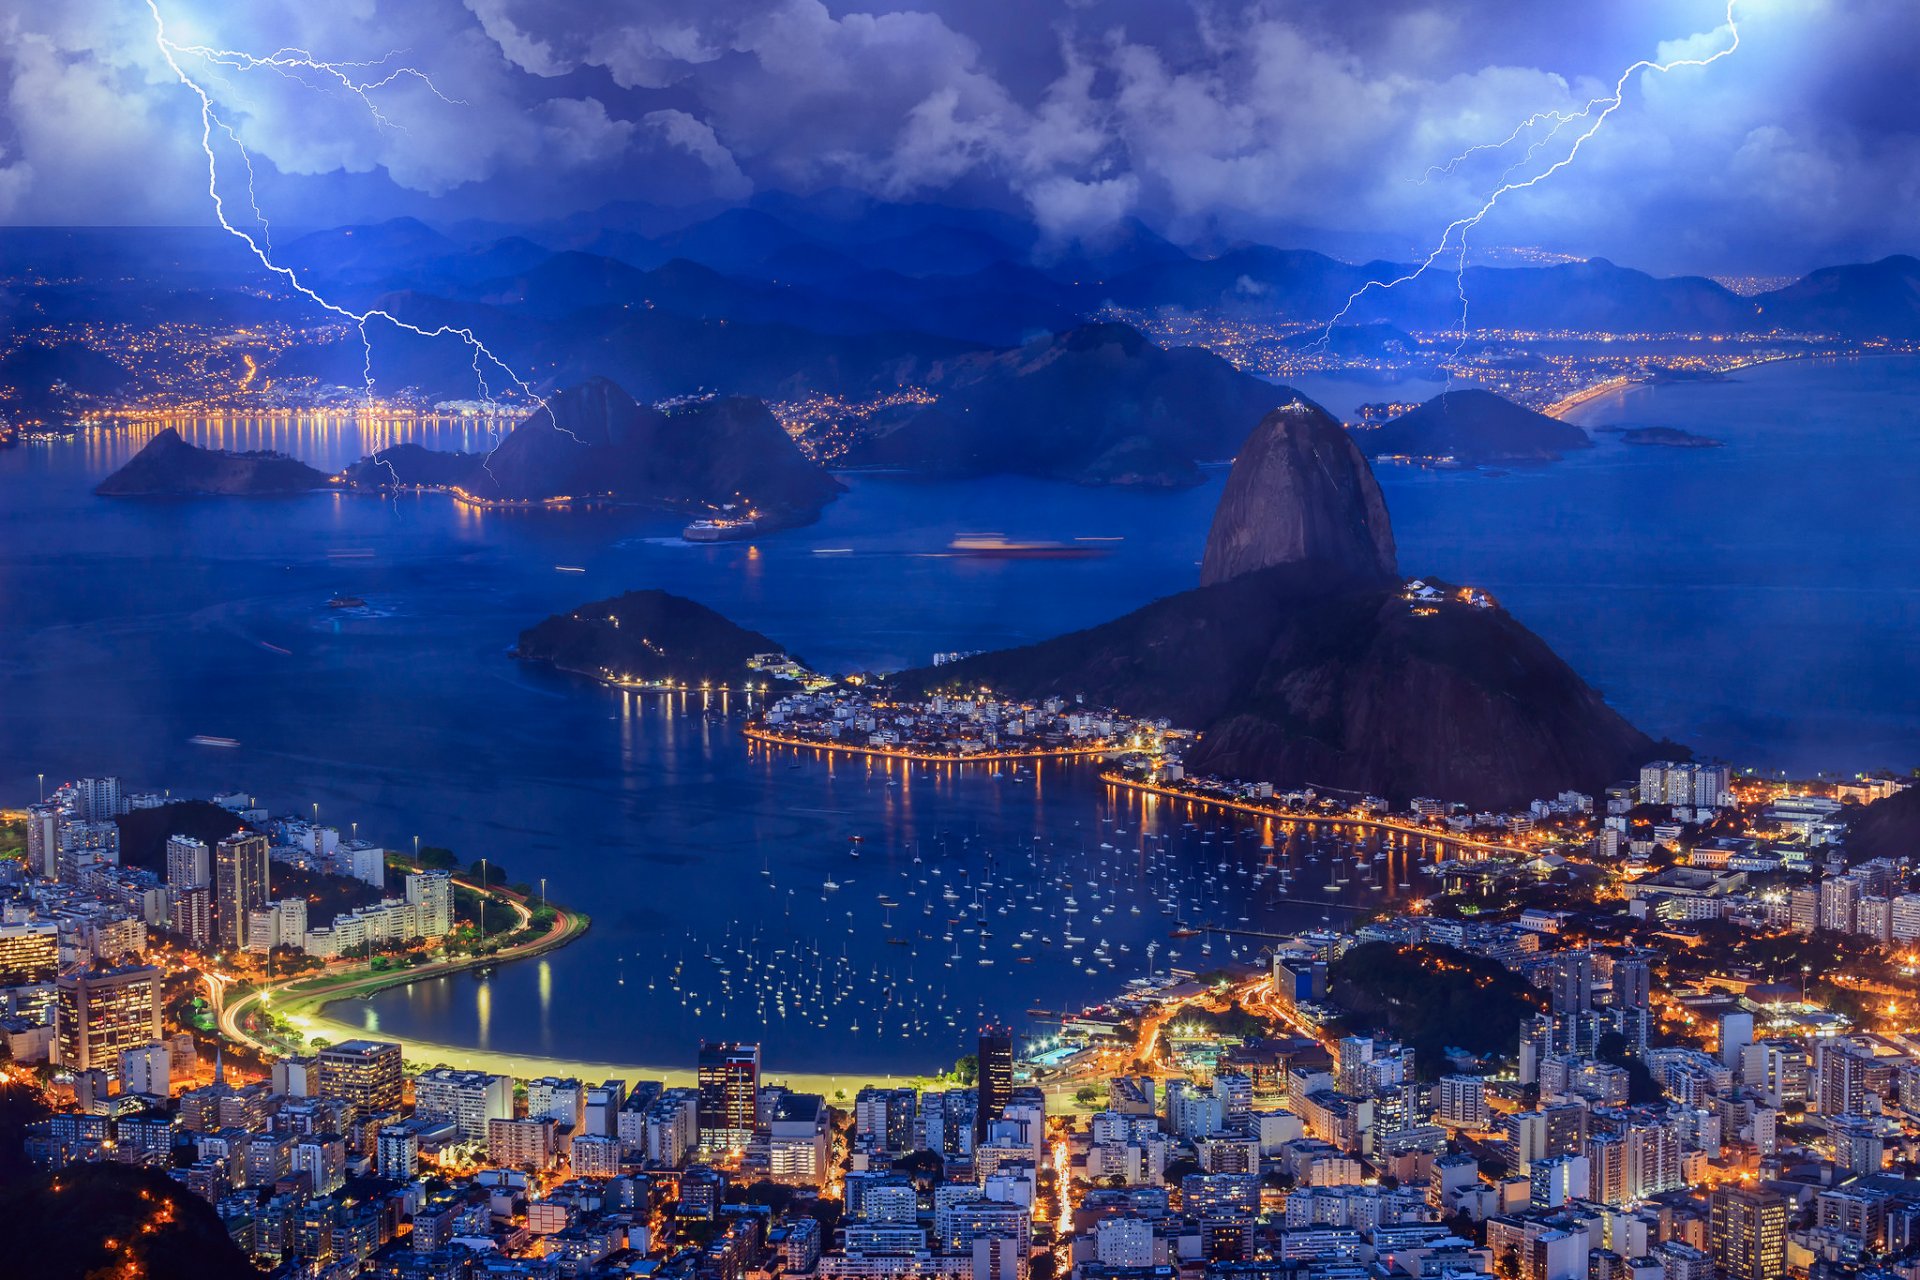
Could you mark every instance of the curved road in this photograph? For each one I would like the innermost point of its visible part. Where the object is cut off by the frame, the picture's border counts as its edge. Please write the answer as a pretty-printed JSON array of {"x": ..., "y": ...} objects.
[{"x": 362, "y": 979}]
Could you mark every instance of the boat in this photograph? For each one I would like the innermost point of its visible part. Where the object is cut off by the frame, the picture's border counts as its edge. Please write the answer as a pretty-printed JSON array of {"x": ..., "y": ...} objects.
[
  {"x": 212, "y": 740},
  {"x": 346, "y": 602},
  {"x": 994, "y": 546},
  {"x": 723, "y": 529}
]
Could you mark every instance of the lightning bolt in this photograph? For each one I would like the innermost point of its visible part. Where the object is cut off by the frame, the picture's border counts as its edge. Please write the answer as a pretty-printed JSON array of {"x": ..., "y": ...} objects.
[
  {"x": 1594, "y": 115},
  {"x": 298, "y": 65},
  {"x": 1559, "y": 118}
]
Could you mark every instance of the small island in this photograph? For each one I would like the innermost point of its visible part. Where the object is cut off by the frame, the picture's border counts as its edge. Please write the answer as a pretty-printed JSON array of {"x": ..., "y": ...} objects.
[
  {"x": 1668, "y": 437},
  {"x": 170, "y": 466},
  {"x": 1471, "y": 428},
  {"x": 705, "y": 458},
  {"x": 659, "y": 640}
]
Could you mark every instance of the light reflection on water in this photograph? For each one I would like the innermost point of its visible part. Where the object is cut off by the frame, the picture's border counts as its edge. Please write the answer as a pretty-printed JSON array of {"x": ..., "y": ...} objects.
[{"x": 1754, "y": 600}]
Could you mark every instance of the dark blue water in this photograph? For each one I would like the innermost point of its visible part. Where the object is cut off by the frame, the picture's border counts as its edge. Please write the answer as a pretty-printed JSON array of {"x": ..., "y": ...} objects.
[{"x": 1754, "y": 600}]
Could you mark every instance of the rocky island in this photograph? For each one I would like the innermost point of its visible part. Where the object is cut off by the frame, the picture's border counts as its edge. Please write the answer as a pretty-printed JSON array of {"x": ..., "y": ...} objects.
[
  {"x": 1473, "y": 428},
  {"x": 1305, "y": 659},
  {"x": 594, "y": 442},
  {"x": 171, "y": 466},
  {"x": 1667, "y": 437},
  {"x": 649, "y": 637}
]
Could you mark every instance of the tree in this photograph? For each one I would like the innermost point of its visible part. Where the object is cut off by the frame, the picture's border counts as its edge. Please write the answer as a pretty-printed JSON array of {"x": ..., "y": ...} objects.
[
  {"x": 922, "y": 1166},
  {"x": 435, "y": 858},
  {"x": 966, "y": 1069},
  {"x": 1179, "y": 1169}
]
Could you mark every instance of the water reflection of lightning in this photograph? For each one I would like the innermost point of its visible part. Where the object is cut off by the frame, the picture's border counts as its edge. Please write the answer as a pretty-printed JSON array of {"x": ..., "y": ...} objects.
[
  {"x": 298, "y": 65},
  {"x": 1594, "y": 114}
]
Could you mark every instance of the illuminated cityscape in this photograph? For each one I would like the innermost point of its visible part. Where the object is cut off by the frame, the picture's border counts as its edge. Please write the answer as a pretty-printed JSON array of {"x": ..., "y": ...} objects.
[{"x": 879, "y": 640}]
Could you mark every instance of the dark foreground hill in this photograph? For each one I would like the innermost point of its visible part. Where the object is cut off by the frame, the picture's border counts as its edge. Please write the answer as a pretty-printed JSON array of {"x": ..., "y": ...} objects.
[
  {"x": 95, "y": 1220},
  {"x": 170, "y": 466},
  {"x": 649, "y": 636}
]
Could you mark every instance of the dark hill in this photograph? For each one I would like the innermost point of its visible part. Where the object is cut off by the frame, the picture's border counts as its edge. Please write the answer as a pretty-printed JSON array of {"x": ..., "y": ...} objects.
[
  {"x": 1301, "y": 494},
  {"x": 144, "y": 832},
  {"x": 594, "y": 440},
  {"x": 647, "y": 635},
  {"x": 169, "y": 465},
  {"x": 1059, "y": 407},
  {"x": 92, "y": 1220},
  {"x": 1887, "y": 828},
  {"x": 1859, "y": 300},
  {"x": 1295, "y": 682},
  {"x": 1473, "y": 427}
]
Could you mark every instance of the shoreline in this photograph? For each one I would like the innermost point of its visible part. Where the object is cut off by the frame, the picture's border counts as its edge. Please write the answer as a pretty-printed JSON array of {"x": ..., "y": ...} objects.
[
  {"x": 1276, "y": 815},
  {"x": 764, "y": 738},
  {"x": 1600, "y": 390}
]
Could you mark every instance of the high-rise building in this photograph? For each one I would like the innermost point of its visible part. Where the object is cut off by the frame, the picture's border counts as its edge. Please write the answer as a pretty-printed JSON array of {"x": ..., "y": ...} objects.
[
  {"x": 430, "y": 894},
  {"x": 1839, "y": 900},
  {"x": 798, "y": 1134},
  {"x": 468, "y": 1098},
  {"x": 189, "y": 863},
  {"x": 1747, "y": 1233},
  {"x": 240, "y": 883},
  {"x": 98, "y": 799},
  {"x": 1710, "y": 783},
  {"x": 29, "y": 953},
  {"x": 1633, "y": 1001},
  {"x": 729, "y": 1078},
  {"x": 996, "y": 1078},
  {"x": 364, "y": 1074},
  {"x": 147, "y": 1069},
  {"x": 99, "y": 1013},
  {"x": 883, "y": 1119},
  {"x": 191, "y": 912},
  {"x": 1839, "y": 1083},
  {"x": 43, "y": 840},
  {"x": 1461, "y": 1101}
]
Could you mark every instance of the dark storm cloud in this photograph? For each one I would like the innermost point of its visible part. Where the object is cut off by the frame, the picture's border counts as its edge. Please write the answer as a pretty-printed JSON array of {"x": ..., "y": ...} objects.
[{"x": 1217, "y": 118}]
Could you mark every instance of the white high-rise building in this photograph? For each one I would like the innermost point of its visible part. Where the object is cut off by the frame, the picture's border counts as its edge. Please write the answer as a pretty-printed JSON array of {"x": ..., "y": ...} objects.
[
  {"x": 189, "y": 863},
  {"x": 430, "y": 894},
  {"x": 43, "y": 840},
  {"x": 97, "y": 799},
  {"x": 147, "y": 1069},
  {"x": 468, "y": 1098}
]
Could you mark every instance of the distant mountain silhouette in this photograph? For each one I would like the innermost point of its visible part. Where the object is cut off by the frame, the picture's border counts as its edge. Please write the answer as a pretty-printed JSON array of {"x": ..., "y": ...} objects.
[
  {"x": 1862, "y": 300},
  {"x": 1093, "y": 404}
]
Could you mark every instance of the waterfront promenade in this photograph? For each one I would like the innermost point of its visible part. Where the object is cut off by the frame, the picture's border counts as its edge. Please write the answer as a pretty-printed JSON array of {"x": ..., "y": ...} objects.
[
  {"x": 998, "y": 756},
  {"x": 1485, "y": 848}
]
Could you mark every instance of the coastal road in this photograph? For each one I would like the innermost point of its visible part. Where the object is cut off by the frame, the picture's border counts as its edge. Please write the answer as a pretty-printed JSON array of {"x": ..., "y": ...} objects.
[{"x": 312, "y": 991}]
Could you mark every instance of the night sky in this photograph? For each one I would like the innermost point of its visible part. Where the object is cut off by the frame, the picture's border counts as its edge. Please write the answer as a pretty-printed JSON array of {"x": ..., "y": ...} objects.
[{"x": 1298, "y": 122}]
